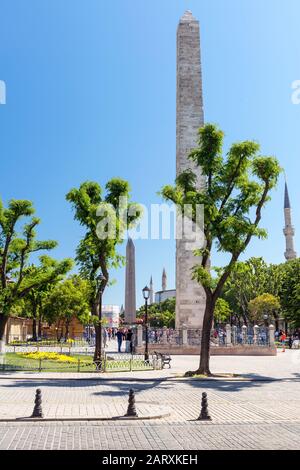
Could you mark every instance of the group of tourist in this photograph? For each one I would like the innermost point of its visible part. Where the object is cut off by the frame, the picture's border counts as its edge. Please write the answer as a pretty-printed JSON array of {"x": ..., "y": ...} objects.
[
  {"x": 158, "y": 335},
  {"x": 122, "y": 335},
  {"x": 293, "y": 339}
]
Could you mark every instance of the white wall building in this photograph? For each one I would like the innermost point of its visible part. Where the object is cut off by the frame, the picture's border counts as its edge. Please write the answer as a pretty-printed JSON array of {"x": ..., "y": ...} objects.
[
  {"x": 162, "y": 295},
  {"x": 112, "y": 314}
]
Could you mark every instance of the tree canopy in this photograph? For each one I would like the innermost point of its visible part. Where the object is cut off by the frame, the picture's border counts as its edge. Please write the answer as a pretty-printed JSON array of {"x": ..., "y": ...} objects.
[
  {"x": 237, "y": 188},
  {"x": 160, "y": 314},
  {"x": 290, "y": 291},
  {"x": 17, "y": 275},
  {"x": 69, "y": 299},
  {"x": 264, "y": 305},
  {"x": 105, "y": 217}
]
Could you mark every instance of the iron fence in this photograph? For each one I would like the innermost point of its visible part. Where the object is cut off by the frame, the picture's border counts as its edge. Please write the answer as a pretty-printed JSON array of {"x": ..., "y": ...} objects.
[
  {"x": 258, "y": 336},
  {"x": 111, "y": 363}
]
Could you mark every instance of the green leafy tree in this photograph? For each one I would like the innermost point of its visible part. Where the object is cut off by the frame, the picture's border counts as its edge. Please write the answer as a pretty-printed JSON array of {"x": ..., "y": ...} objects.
[
  {"x": 69, "y": 299},
  {"x": 160, "y": 314},
  {"x": 237, "y": 189},
  {"x": 290, "y": 291},
  {"x": 35, "y": 300},
  {"x": 17, "y": 277},
  {"x": 222, "y": 311},
  {"x": 97, "y": 251},
  {"x": 247, "y": 281},
  {"x": 265, "y": 304}
]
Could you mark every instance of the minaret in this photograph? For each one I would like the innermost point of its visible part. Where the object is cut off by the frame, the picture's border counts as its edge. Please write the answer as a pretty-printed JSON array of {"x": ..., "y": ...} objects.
[
  {"x": 288, "y": 230},
  {"x": 151, "y": 291},
  {"x": 130, "y": 295},
  {"x": 190, "y": 296},
  {"x": 164, "y": 280}
]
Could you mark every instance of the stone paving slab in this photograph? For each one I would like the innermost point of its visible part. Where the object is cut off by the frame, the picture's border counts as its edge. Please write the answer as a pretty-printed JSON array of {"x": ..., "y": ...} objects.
[
  {"x": 248, "y": 414},
  {"x": 145, "y": 411},
  {"x": 189, "y": 436},
  {"x": 229, "y": 402}
]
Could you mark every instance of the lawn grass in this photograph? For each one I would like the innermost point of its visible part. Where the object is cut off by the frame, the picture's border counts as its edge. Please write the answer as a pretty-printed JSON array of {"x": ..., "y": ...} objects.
[
  {"x": 84, "y": 363},
  {"x": 15, "y": 361}
]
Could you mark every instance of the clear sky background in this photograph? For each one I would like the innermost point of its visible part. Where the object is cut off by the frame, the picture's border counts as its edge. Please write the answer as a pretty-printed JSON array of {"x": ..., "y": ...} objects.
[{"x": 91, "y": 94}]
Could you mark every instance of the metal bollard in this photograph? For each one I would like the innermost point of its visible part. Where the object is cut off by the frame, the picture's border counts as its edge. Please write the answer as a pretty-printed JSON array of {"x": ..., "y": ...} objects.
[
  {"x": 131, "y": 411},
  {"x": 204, "y": 416},
  {"x": 37, "y": 410}
]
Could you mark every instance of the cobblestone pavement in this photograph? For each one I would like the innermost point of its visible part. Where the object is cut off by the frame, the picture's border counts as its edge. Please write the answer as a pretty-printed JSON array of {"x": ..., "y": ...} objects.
[
  {"x": 189, "y": 436},
  {"x": 245, "y": 414}
]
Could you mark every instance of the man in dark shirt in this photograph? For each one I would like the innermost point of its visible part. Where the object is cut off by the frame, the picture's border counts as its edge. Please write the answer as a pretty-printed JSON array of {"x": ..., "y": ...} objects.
[
  {"x": 129, "y": 338},
  {"x": 119, "y": 336}
]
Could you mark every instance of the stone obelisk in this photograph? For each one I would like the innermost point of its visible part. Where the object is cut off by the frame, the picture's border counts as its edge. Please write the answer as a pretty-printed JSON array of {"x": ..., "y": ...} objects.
[
  {"x": 151, "y": 296},
  {"x": 190, "y": 296},
  {"x": 130, "y": 294}
]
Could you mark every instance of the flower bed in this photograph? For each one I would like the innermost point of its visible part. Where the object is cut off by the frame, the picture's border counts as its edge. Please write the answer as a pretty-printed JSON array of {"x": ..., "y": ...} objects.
[{"x": 48, "y": 356}]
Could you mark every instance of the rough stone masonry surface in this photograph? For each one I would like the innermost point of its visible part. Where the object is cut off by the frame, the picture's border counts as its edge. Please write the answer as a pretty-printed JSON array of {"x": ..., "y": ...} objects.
[
  {"x": 190, "y": 297},
  {"x": 262, "y": 411}
]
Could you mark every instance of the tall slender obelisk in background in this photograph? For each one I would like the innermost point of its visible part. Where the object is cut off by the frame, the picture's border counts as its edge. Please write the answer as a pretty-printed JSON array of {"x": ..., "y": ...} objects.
[
  {"x": 190, "y": 297},
  {"x": 288, "y": 230},
  {"x": 130, "y": 294},
  {"x": 151, "y": 296},
  {"x": 164, "y": 280}
]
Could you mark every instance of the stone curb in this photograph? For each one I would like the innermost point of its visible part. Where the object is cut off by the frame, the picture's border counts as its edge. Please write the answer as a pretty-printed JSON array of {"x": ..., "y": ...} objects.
[
  {"x": 113, "y": 418},
  {"x": 155, "y": 379}
]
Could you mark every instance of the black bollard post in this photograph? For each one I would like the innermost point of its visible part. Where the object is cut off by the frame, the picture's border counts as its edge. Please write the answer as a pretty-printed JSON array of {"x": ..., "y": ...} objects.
[
  {"x": 37, "y": 411},
  {"x": 204, "y": 416},
  {"x": 131, "y": 411}
]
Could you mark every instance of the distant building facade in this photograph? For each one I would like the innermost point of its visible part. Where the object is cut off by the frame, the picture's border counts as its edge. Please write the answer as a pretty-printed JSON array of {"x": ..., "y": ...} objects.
[
  {"x": 162, "y": 295},
  {"x": 111, "y": 313}
]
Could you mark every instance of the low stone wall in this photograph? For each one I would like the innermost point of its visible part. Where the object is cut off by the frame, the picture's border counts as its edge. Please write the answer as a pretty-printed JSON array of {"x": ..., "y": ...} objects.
[{"x": 238, "y": 350}]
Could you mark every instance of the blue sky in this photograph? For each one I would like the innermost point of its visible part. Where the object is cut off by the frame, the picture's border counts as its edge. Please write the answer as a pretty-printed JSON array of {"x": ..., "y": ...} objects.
[{"x": 91, "y": 91}]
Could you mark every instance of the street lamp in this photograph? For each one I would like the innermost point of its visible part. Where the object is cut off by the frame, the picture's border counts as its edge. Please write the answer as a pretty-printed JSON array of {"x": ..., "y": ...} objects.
[
  {"x": 98, "y": 358},
  {"x": 146, "y": 294}
]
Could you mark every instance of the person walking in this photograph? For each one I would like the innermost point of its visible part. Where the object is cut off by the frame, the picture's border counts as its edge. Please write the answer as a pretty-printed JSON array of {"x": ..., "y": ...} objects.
[
  {"x": 283, "y": 339},
  {"x": 129, "y": 340},
  {"x": 119, "y": 336},
  {"x": 104, "y": 338}
]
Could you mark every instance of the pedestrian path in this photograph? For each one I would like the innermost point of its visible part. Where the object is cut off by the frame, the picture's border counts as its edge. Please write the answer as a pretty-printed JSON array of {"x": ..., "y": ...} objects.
[{"x": 245, "y": 415}]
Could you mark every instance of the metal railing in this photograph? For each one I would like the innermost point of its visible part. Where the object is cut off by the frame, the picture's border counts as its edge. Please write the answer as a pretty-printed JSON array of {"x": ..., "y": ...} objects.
[
  {"x": 112, "y": 362},
  {"x": 232, "y": 336}
]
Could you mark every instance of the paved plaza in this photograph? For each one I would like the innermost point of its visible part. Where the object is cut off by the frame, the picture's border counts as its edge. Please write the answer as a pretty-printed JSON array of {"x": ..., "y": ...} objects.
[{"x": 259, "y": 411}]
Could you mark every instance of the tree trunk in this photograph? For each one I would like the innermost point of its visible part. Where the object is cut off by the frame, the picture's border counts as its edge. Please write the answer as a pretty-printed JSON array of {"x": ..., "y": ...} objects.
[
  {"x": 57, "y": 330},
  {"x": 34, "y": 334},
  {"x": 67, "y": 330},
  {"x": 3, "y": 321},
  {"x": 98, "y": 333},
  {"x": 40, "y": 328},
  {"x": 205, "y": 339},
  {"x": 34, "y": 322},
  {"x": 244, "y": 315}
]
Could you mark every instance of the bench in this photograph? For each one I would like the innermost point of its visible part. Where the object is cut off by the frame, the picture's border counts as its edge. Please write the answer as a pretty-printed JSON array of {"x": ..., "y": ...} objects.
[{"x": 165, "y": 359}]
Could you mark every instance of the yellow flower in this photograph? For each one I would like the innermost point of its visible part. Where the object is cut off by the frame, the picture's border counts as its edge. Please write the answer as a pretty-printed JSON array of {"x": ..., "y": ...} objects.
[{"x": 50, "y": 356}]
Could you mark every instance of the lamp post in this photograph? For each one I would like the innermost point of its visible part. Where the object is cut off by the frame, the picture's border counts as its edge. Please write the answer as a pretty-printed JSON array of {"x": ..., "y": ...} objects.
[
  {"x": 146, "y": 293},
  {"x": 99, "y": 281}
]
